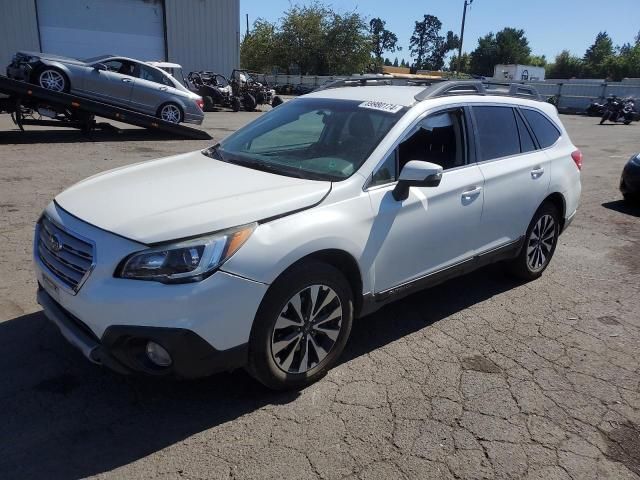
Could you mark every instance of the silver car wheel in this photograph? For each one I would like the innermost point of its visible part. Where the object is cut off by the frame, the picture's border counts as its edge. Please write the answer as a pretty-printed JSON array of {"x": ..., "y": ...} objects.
[
  {"x": 52, "y": 80},
  {"x": 171, "y": 113},
  {"x": 307, "y": 329},
  {"x": 541, "y": 242}
]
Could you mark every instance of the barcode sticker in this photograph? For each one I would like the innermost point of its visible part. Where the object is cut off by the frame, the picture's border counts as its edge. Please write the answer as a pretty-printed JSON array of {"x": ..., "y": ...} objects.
[{"x": 381, "y": 106}]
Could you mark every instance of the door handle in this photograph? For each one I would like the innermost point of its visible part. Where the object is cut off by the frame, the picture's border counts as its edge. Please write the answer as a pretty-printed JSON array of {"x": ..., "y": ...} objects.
[
  {"x": 469, "y": 194},
  {"x": 537, "y": 172},
  {"x": 126, "y": 80}
]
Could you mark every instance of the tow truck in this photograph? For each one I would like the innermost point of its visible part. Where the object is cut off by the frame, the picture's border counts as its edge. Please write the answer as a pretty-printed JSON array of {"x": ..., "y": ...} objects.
[{"x": 31, "y": 104}]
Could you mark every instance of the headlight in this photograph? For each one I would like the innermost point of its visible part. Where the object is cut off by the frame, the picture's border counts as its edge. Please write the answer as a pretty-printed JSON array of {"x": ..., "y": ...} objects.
[{"x": 188, "y": 261}]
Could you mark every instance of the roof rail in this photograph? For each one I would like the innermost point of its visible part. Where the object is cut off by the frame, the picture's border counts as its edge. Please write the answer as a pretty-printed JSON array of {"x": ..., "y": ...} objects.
[
  {"x": 452, "y": 87},
  {"x": 357, "y": 81},
  {"x": 471, "y": 87}
]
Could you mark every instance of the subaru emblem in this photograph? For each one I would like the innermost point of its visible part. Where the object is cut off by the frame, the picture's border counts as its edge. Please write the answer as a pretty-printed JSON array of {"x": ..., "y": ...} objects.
[{"x": 55, "y": 244}]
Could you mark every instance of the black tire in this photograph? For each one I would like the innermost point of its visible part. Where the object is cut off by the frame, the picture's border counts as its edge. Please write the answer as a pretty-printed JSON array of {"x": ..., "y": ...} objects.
[
  {"x": 521, "y": 267},
  {"x": 236, "y": 105},
  {"x": 38, "y": 79},
  {"x": 296, "y": 281},
  {"x": 249, "y": 102},
  {"x": 277, "y": 100},
  {"x": 208, "y": 104},
  {"x": 605, "y": 117}
]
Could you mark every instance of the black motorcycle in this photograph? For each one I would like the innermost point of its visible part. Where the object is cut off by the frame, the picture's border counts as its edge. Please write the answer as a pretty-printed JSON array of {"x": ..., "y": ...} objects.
[
  {"x": 596, "y": 109},
  {"x": 619, "y": 110}
]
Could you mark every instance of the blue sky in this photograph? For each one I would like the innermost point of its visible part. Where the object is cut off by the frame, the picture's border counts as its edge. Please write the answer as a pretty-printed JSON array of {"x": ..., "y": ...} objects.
[{"x": 550, "y": 25}]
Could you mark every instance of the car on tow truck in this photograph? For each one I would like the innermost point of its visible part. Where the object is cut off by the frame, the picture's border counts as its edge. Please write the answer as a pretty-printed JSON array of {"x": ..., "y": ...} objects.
[{"x": 114, "y": 80}]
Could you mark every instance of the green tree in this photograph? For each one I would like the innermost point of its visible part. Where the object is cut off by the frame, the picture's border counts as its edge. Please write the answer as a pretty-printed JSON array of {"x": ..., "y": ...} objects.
[
  {"x": 537, "y": 61},
  {"x": 465, "y": 65},
  {"x": 257, "y": 51},
  {"x": 565, "y": 66},
  {"x": 311, "y": 39},
  {"x": 508, "y": 46},
  {"x": 346, "y": 48},
  {"x": 382, "y": 40},
  {"x": 599, "y": 55},
  {"x": 428, "y": 46},
  {"x": 395, "y": 62}
]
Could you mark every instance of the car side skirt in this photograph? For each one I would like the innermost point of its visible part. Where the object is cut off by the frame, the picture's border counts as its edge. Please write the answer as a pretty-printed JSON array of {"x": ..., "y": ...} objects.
[{"x": 374, "y": 301}]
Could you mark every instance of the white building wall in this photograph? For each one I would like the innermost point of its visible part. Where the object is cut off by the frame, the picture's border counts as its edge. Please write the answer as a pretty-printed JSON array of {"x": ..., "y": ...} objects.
[
  {"x": 18, "y": 29},
  {"x": 204, "y": 34}
]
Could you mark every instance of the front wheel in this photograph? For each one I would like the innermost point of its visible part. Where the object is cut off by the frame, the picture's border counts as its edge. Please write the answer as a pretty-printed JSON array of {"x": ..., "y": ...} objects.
[
  {"x": 170, "y": 112},
  {"x": 302, "y": 326},
  {"x": 540, "y": 244}
]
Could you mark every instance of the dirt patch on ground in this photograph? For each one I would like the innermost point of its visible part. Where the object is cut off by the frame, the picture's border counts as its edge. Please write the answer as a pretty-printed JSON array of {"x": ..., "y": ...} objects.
[
  {"x": 480, "y": 364},
  {"x": 623, "y": 445}
]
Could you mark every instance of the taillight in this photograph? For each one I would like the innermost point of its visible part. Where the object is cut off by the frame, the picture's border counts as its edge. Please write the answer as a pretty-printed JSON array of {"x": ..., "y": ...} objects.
[
  {"x": 200, "y": 103},
  {"x": 577, "y": 158}
]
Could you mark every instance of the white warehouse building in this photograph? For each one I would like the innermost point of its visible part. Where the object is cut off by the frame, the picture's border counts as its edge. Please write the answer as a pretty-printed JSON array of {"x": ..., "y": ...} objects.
[{"x": 198, "y": 34}]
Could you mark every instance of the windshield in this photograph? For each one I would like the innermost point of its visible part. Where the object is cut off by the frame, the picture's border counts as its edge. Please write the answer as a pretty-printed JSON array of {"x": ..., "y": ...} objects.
[
  {"x": 322, "y": 139},
  {"x": 96, "y": 59}
]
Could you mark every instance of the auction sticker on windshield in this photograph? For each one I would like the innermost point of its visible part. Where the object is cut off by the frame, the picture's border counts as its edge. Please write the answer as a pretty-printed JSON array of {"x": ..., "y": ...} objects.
[{"x": 381, "y": 106}]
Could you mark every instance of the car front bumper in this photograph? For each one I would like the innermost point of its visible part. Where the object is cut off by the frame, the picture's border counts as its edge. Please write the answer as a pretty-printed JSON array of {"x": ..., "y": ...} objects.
[
  {"x": 204, "y": 325},
  {"x": 122, "y": 347}
]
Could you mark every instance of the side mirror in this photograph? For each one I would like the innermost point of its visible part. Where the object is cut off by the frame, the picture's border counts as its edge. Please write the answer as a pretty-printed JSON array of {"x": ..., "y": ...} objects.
[
  {"x": 417, "y": 174},
  {"x": 100, "y": 67}
]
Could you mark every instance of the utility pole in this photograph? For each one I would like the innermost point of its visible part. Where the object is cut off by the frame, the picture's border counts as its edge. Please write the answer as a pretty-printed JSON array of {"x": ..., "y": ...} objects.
[
  {"x": 464, "y": 19},
  {"x": 247, "y": 34}
]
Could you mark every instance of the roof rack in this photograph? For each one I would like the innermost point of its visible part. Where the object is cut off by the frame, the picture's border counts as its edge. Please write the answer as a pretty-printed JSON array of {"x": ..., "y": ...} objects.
[
  {"x": 440, "y": 87},
  {"x": 471, "y": 87},
  {"x": 357, "y": 81}
]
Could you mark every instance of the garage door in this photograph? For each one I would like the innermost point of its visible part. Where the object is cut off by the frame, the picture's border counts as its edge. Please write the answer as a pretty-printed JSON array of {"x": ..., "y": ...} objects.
[{"x": 88, "y": 28}]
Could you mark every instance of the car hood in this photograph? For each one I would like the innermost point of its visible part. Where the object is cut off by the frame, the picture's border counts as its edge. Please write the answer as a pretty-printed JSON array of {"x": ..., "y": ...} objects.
[
  {"x": 53, "y": 58},
  {"x": 184, "y": 196}
]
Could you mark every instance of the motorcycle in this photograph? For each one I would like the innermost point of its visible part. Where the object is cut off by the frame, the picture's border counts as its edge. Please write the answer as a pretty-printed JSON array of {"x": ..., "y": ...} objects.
[
  {"x": 596, "y": 109},
  {"x": 619, "y": 111}
]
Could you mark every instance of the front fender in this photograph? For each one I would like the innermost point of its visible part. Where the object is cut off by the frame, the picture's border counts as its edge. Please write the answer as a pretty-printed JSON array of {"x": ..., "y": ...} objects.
[{"x": 277, "y": 245}]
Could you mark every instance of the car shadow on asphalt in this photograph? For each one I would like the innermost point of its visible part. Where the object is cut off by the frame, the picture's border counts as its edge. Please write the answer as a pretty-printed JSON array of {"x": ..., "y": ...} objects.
[
  {"x": 61, "y": 417},
  {"x": 623, "y": 207},
  {"x": 28, "y": 137}
]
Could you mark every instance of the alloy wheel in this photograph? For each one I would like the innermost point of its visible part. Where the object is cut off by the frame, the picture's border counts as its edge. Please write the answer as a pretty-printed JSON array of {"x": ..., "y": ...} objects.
[
  {"x": 306, "y": 329},
  {"x": 541, "y": 242},
  {"x": 52, "y": 80},
  {"x": 170, "y": 113}
]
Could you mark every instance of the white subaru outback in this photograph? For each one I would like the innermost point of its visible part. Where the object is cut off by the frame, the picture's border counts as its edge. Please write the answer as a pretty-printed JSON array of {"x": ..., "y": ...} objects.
[{"x": 259, "y": 251}]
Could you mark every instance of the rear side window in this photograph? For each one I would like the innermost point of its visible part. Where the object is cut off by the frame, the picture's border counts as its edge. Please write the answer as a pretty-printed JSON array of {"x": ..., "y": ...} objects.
[
  {"x": 545, "y": 131},
  {"x": 526, "y": 141},
  {"x": 497, "y": 132}
]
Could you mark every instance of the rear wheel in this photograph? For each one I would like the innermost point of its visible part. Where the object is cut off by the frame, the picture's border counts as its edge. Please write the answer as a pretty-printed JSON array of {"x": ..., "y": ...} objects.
[
  {"x": 170, "y": 112},
  {"x": 249, "y": 102},
  {"x": 236, "y": 105},
  {"x": 540, "y": 244},
  {"x": 53, "y": 79},
  {"x": 302, "y": 327}
]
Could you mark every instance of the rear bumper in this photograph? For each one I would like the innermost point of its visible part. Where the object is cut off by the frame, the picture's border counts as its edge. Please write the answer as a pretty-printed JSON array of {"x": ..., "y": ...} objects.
[{"x": 122, "y": 347}]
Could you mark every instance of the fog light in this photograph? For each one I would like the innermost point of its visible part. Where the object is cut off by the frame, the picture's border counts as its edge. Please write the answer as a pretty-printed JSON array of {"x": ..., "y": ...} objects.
[{"x": 158, "y": 355}]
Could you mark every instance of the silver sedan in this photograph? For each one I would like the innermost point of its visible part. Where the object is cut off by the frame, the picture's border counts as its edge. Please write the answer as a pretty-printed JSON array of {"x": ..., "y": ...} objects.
[{"x": 120, "y": 81}]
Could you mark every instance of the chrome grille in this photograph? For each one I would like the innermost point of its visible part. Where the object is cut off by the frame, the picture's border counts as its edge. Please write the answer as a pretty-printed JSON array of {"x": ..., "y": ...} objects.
[{"x": 66, "y": 255}]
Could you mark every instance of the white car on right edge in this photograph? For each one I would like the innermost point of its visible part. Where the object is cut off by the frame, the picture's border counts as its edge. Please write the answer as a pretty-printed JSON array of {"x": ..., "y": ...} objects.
[{"x": 259, "y": 252}]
